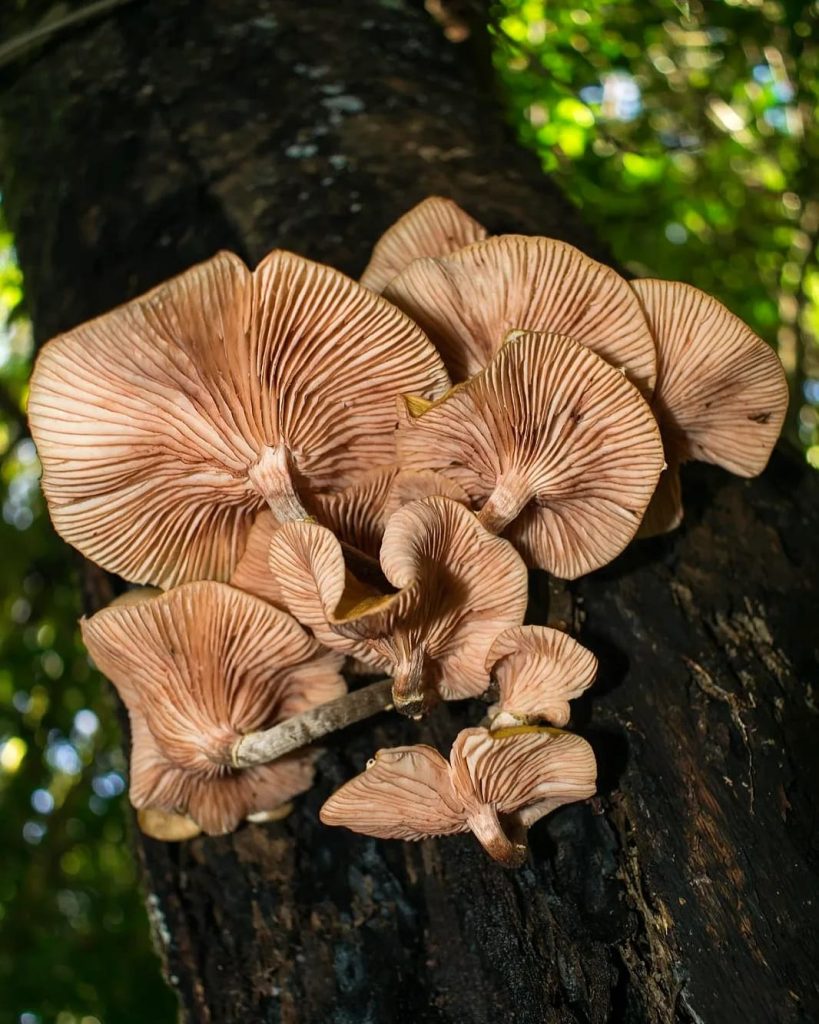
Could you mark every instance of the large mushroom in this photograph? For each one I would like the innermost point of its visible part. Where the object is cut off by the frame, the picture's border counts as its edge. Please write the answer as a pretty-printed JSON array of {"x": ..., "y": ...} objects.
[
  {"x": 166, "y": 425},
  {"x": 553, "y": 445},
  {"x": 457, "y": 588},
  {"x": 496, "y": 784},
  {"x": 721, "y": 393},
  {"x": 538, "y": 671},
  {"x": 434, "y": 227},
  {"x": 469, "y": 301},
  {"x": 198, "y": 668}
]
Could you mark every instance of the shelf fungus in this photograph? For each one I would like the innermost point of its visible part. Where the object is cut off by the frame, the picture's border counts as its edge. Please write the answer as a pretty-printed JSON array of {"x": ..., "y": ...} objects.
[
  {"x": 538, "y": 671},
  {"x": 469, "y": 301},
  {"x": 165, "y": 425},
  {"x": 198, "y": 668},
  {"x": 721, "y": 392},
  {"x": 496, "y": 784},
  {"x": 457, "y": 586},
  {"x": 555, "y": 448},
  {"x": 434, "y": 227}
]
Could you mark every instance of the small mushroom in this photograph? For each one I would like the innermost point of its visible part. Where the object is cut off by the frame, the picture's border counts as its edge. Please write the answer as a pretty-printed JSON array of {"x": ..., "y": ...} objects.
[
  {"x": 469, "y": 301},
  {"x": 721, "y": 392},
  {"x": 167, "y": 424},
  {"x": 496, "y": 784},
  {"x": 174, "y": 803},
  {"x": 434, "y": 227},
  {"x": 356, "y": 515},
  {"x": 457, "y": 588},
  {"x": 553, "y": 445},
  {"x": 206, "y": 663},
  {"x": 538, "y": 671}
]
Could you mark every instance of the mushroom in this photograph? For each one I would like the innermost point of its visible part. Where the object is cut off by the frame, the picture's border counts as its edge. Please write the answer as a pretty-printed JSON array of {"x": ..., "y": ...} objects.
[
  {"x": 553, "y": 445},
  {"x": 721, "y": 392},
  {"x": 206, "y": 663},
  {"x": 496, "y": 784},
  {"x": 434, "y": 227},
  {"x": 469, "y": 301},
  {"x": 167, "y": 424},
  {"x": 357, "y": 516},
  {"x": 538, "y": 671},
  {"x": 458, "y": 587},
  {"x": 174, "y": 803}
]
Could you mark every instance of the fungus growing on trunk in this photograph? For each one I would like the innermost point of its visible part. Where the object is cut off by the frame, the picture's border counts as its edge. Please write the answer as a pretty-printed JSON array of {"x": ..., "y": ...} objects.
[
  {"x": 469, "y": 301},
  {"x": 496, "y": 784},
  {"x": 553, "y": 445},
  {"x": 434, "y": 227},
  {"x": 538, "y": 671},
  {"x": 167, "y": 424},
  {"x": 356, "y": 515},
  {"x": 721, "y": 392},
  {"x": 174, "y": 803},
  {"x": 197, "y": 668},
  {"x": 457, "y": 588}
]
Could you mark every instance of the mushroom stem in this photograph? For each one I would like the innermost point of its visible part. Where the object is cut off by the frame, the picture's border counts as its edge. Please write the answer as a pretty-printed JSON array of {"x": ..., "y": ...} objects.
[
  {"x": 408, "y": 683},
  {"x": 271, "y": 477},
  {"x": 489, "y": 831},
  {"x": 503, "y": 505},
  {"x": 284, "y": 738}
]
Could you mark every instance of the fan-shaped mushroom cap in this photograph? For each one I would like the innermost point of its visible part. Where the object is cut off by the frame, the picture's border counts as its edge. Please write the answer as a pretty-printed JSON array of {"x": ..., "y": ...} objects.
[
  {"x": 721, "y": 391},
  {"x": 434, "y": 227},
  {"x": 205, "y": 664},
  {"x": 498, "y": 784},
  {"x": 469, "y": 301},
  {"x": 555, "y": 446},
  {"x": 458, "y": 586},
  {"x": 164, "y": 426},
  {"x": 216, "y": 803},
  {"x": 538, "y": 670}
]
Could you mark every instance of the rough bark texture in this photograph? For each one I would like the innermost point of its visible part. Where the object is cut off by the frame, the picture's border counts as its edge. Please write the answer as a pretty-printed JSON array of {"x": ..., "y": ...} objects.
[{"x": 687, "y": 891}]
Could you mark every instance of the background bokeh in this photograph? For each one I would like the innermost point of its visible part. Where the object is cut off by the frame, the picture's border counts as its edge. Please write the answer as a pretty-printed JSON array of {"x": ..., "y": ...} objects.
[{"x": 688, "y": 135}]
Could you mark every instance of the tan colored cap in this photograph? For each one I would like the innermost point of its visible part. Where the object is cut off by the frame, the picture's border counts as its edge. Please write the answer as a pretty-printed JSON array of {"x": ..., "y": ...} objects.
[
  {"x": 721, "y": 391},
  {"x": 434, "y": 227},
  {"x": 498, "y": 784},
  {"x": 538, "y": 671},
  {"x": 457, "y": 588},
  {"x": 469, "y": 301},
  {"x": 167, "y": 424},
  {"x": 553, "y": 445},
  {"x": 205, "y": 664}
]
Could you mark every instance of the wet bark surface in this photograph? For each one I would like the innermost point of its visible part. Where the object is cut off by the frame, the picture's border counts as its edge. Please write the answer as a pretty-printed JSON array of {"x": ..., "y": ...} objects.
[{"x": 686, "y": 892}]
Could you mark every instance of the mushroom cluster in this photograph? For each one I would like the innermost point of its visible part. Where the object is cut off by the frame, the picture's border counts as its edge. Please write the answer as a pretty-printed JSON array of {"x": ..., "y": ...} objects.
[{"x": 308, "y": 474}]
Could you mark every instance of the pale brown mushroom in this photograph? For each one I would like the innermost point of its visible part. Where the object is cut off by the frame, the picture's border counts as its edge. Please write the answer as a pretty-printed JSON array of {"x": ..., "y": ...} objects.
[
  {"x": 553, "y": 445},
  {"x": 166, "y": 425},
  {"x": 356, "y": 515},
  {"x": 457, "y": 588},
  {"x": 496, "y": 784},
  {"x": 434, "y": 227},
  {"x": 721, "y": 392},
  {"x": 205, "y": 664},
  {"x": 175, "y": 803},
  {"x": 469, "y": 301},
  {"x": 538, "y": 671}
]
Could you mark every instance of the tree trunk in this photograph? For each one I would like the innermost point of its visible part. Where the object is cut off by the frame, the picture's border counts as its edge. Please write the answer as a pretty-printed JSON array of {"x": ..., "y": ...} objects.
[{"x": 139, "y": 143}]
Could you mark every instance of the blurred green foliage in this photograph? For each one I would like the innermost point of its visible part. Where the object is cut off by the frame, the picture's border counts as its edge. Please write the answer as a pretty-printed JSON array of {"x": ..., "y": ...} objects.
[
  {"x": 687, "y": 133},
  {"x": 74, "y": 944}
]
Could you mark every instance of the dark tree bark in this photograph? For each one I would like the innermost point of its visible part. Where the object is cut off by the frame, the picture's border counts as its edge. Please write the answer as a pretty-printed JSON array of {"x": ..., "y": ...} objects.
[{"x": 142, "y": 142}]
